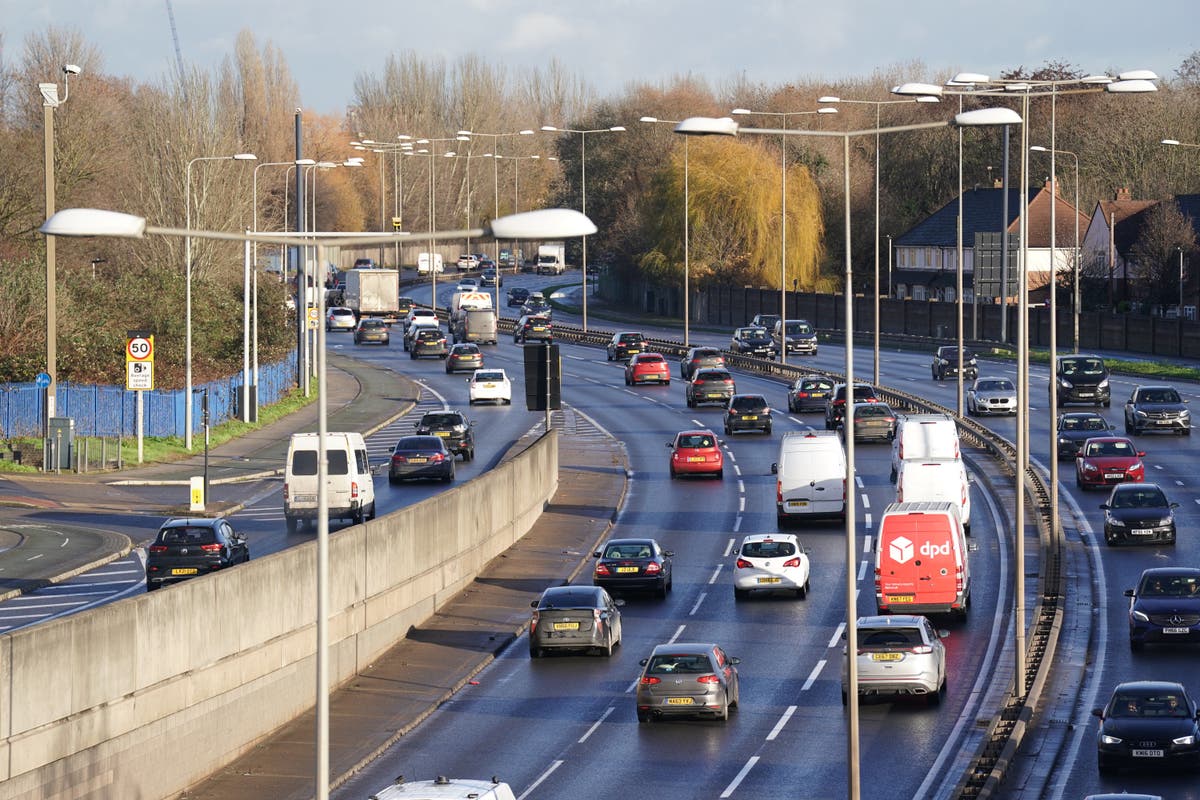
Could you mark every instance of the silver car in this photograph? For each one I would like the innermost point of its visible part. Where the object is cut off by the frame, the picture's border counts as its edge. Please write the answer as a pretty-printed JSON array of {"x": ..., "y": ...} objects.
[
  {"x": 991, "y": 396},
  {"x": 900, "y": 654},
  {"x": 575, "y": 618},
  {"x": 689, "y": 679}
]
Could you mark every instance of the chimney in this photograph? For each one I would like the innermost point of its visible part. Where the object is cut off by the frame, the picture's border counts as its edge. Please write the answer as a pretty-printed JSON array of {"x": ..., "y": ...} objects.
[{"x": 1123, "y": 194}]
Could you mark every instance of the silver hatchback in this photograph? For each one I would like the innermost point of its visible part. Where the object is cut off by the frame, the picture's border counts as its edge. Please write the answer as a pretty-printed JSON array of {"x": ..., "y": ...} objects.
[
  {"x": 687, "y": 679},
  {"x": 901, "y": 654},
  {"x": 575, "y": 618}
]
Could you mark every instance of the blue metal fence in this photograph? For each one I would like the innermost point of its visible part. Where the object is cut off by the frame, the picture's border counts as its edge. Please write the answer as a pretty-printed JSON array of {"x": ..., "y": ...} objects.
[{"x": 110, "y": 410}]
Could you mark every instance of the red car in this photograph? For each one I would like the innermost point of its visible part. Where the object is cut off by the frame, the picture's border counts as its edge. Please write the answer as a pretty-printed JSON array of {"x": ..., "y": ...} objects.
[
  {"x": 647, "y": 368},
  {"x": 697, "y": 453},
  {"x": 1107, "y": 461}
]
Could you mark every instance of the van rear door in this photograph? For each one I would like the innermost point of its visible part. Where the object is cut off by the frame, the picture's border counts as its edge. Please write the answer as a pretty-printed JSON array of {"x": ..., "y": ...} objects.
[{"x": 917, "y": 564}]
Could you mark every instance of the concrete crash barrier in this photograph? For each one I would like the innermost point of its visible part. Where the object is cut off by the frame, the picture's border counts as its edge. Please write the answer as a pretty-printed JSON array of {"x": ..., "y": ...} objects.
[{"x": 100, "y": 704}]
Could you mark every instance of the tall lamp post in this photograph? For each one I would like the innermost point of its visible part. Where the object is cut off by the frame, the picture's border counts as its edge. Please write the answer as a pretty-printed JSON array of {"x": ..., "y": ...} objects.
[
  {"x": 495, "y": 137},
  {"x": 187, "y": 257},
  {"x": 1077, "y": 258},
  {"x": 783, "y": 116},
  {"x": 536, "y": 224},
  {"x": 687, "y": 320},
  {"x": 431, "y": 151},
  {"x": 583, "y": 193},
  {"x": 726, "y": 126}
]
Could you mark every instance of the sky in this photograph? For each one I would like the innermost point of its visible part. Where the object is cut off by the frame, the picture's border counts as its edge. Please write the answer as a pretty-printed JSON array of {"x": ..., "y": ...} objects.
[{"x": 613, "y": 43}]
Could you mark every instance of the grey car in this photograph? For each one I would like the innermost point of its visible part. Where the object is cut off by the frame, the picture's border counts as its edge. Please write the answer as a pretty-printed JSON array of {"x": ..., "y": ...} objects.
[
  {"x": 687, "y": 679},
  {"x": 991, "y": 396},
  {"x": 575, "y": 618},
  {"x": 1157, "y": 408},
  {"x": 899, "y": 654}
]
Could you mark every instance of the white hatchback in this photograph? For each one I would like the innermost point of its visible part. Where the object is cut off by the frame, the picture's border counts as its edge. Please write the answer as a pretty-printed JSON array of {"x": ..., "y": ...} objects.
[
  {"x": 490, "y": 384},
  {"x": 770, "y": 561}
]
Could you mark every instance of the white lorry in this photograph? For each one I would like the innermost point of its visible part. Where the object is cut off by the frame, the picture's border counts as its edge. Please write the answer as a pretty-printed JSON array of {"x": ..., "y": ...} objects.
[
  {"x": 373, "y": 293},
  {"x": 443, "y": 788},
  {"x": 551, "y": 258},
  {"x": 423, "y": 267}
]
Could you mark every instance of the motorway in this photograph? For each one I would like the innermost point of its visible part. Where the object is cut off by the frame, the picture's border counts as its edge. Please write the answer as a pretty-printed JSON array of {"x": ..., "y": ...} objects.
[{"x": 564, "y": 726}]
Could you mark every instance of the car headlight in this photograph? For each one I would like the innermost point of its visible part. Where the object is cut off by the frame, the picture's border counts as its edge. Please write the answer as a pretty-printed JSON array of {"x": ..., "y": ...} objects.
[
  {"x": 1064, "y": 383},
  {"x": 1089, "y": 468},
  {"x": 1135, "y": 466},
  {"x": 1063, "y": 441},
  {"x": 1137, "y": 412},
  {"x": 1184, "y": 740},
  {"x": 1113, "y": 521},
  {"x": 1140, "y": 616},
  {"x": 1103, "y": 384},
  {"x": 1106, "y": 739},
  {"x": 1166, "y": 521}
]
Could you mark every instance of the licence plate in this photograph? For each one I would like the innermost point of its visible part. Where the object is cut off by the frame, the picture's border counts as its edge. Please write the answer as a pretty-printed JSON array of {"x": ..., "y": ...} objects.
[
  {"x": 713, "y": 395},
  {"x": 900, "y": 598},
  {"x": 417, "y": 460},
  {"x": 304, "y": 498},
  {"x": 1147, "y": 753},
  {"x": 539, "y": 329},
  {"x": 1085, "y": 394},
  {"x": 1142, "y": 532},
  {"x": 566, "y": 626},
  {"x": 627, "y": 569},
  {"x": 1176, "y": 630},
  {"x": 886, "y": 656},
  {"x": 797, "y": 504},
  {"x": 443, "y": 434},
  {"x": 679, "y": 701},
  {"x": 185, "y": 571},
  {"x": 768, "y": 580},
  {"x": 1113, "y": 475},
  {"x": 750, "y": 418},
  {"x": 695, "y": 459}
]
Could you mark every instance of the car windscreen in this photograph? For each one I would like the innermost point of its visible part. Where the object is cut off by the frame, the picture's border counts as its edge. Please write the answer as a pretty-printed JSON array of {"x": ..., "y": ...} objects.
[
  {"x": 1138, "y": 498},
  {"x": 768, "y": 549},
  {"x": 799, "y": 329},
  {"x": 1158, "y": 396},
  {"x": 190, "y": 535},
  {"x": 994, "y": 386},
  {"x": 1083, "y": 366},
  {"x": 1170, "y": 586}
]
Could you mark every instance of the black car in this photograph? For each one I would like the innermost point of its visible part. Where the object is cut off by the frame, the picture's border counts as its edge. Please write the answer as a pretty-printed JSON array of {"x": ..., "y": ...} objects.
[
  {"x": 421, "y": 457},
  {"x": 537, "y": 308},
  {"x": 752, "y": 341},
  {"x": 809, "y": 393},
  {"x": 709, "y": 385},
  {"x": 189, "y": 546},
  {"x": 872, "y": 422},
  {"x": 1081, "y": 379},
  {"x": 699, "y": 357},
  {"x": 835, "y": 405},
  {"x": 517, "y": 296},
  {"x": 1157, "y": 408},
  {"x": 404, "y": 305},
  {"x": 1138, "y": 513},
  {"x": 453, "y": 428},
  {"x": 767, "y": 321},
  {"x": 574, "y": 618},
  {"x": 1165, "y": 607},
  {"x": 633, "y": 564},
  {"x": 945, "y": 363},
  {"x": 428, "y": 342},
  {"x": 1150, "y": 724},
  {"x": 624, "y": 344},
  {"x": 1075, "y": 428},
  {"x": 490, "y": 277},
  {"x": 747, "y": 412},
  {"x": 535, "y": 327}
]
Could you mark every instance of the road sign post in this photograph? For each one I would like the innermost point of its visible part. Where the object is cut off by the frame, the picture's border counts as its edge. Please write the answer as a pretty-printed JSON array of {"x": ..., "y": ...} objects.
[{"x": 139, "y": 376}]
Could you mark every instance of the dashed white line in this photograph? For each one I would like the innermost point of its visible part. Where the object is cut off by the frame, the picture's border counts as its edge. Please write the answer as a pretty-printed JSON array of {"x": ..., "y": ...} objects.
[
  {"x": 797, "y": 421},
  {"x": 696, "y": 607},
  {"x": 862, "y": 570},
  {"x": 737, "y": 523},
  {"x": 867, "y": 522},
  {"x": 812, "y": 676},
  {"x": 698, "y": 423},
  {"x": 675, "y": 637},
  {"x": 1179, "y": 483},
  {"x": 866, "y": 501},
  {"x": 1158, "y": 466},
  {"x": 741, "y": 486},
  {"x": 837, "y": 634},
  {"x": 730, "y": 545},
  {"x": 64, "y": 541},
  {"x": 782, "y": 721},
  {"x": 737, "y": 471},
  {"x": 732, "y": 457},
  {"x": 592, "y": 729},
  {"x": 737, "y": 779},
  {"x": 716, "y": 574},
  {"x": 866, "y": 544},
  {"x": 741, "y": 504},
  {"x": 553, "y": 766},
  {"x": 35, "y": 558},
  {"x": 858, "y": 482}
]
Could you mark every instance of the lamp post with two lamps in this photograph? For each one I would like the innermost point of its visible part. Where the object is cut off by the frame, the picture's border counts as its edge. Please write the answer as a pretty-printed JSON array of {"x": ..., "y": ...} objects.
[
  {"x": 583, "y": 193},
  {"x": 726, "y": 126},
  {"x": 431, "y": 151},
  {"x": 495, "y": 137},
  {"x": 535, "y": 224}
]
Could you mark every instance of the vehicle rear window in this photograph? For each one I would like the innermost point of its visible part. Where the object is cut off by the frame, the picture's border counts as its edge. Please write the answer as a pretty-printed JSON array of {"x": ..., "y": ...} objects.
[
  {"x": 748, "y": 404},
  {"x": 706, "y": 354},
  {"x": 889, "y": 637},
  {"x": 466, "y": 349},
  {"x": 441, "y": 419},
  {"x": 186, "y": 536},
  {"x": 768, "y": 549},
  {"x": 650, "y": 358},
  {"x": 580, "y": 598},
  {"x": 816, "y": 385},
  {"x": 872, "y": 410},
  {"x": 670, "y": 665},
  {"x": 630, "y": 338},
  {"x": 714, "y": 375},
  {"x": 489, "y": 376},
  {"x": 629, "y": 550},
  {"x": 696, "y": 440},
  {"x": 419, "y": 443}
]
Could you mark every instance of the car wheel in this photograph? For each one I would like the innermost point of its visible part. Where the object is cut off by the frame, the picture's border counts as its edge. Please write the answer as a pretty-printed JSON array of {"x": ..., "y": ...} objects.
[
  {"x": 472, "y": 455},
  {"x": 150, "y": 587},
  {"x": 935, "y": 698},
  {"x": 721, "y": 474},
  {"x": 674, "y": 474},
  {"x": 508, "y": 401},
  {"x": 643, "y": 716},
  {"x": 892, "y": 475},
  {"x": 727, "y": 431},
  {"x": 740, "y": 594},
  {"x": 1107, "y": 403},
  {"x": 691, "y": 403},
  {"x": 1104, "y": 767},
  {"x": 767, "y": 430},
  {"x": 661, "y": 591},
  {"x": 1186, "y": 431},
  {"x": 393, "y": 480},
  {"x": 844, "y": 698},
  {"x": 802, "y": 592},
  {"x": 412, "y": 354},
  {"x": 1128, "y": 428},
  {"x": 667, "y": 382},
  {"x": 535, "y": 652},
  {"x": 1079, "y": 483}
]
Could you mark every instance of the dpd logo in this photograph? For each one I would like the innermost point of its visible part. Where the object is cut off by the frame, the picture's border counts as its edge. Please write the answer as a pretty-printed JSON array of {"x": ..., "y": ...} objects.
[
  {"x": 901, "y": 550},
  {"x": 928, "y": 549}
]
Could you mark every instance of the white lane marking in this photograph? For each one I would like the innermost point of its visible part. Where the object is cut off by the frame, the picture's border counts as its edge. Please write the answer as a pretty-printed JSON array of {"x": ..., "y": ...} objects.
[
  {"x": 696, "y": 607},
  {"x": 837, "y": 634},
  {"x": 593, "y": 422},
  {"x": 729, "y": 546},
  {"x": 741, "y": 504},
  {"x": 858, "y": 482},
  {"x": 107, "y": 573},
  {"x": 866, "y": 544},
  {"x": 553, "y": 766},
  {"x": 867, "y": 522},
  {"x": 737, "y": 471},
  {"x": 675, "y": 637},
  {"x": 580, "y": 358},
  {"x": 862, "y": 570},
  {"x": 1179, "y": 483},
  {"x": 15, "y": 606},
  {"x": 737, "y": 779},
  {"x": 35, "y": 558},
  {"x": 630, "y": 391},
  {"x": 737, "y": 524},
  {"x": 633, "y": 685},
  {"x": 435, "y": 393},
  {"x": 64, "y": 542},
  {"x": 1158, "y": 466},
  {"x": 797, "y": 421},
  {"x": 732, "y": 457},
  {"x": 741, "y": 486},
  {"x": 812, "y": 676},
  {"x": 716, "y": 574},
  {"x": 697, "y": 423},
  {"x": 782, "y": 721},
  {"x": 596, "y": 725},
  {"x": 866, "y": 501}
]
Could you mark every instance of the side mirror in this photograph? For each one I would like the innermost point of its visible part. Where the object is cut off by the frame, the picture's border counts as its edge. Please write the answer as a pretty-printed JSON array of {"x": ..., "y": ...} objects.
[
  {"x": 1129, "y": 593},
  {"x": 533, "y": 604},
  {"x": 643, "y": 662},
  {"x": 734, "y": 660},
  {"x": 596, "y": 554},
  {"x": 668, "y": 553},
  {"x": 618, "y": 601},
  {"x": 1174, "y": 505},
  {"x": 1098, "y": 712},
  {"x": 1104, "y": 506},
  {"x": 774, "y": 469},
  {"x": 1141, "y": 453},
  {"x": 669, "y": 444}
]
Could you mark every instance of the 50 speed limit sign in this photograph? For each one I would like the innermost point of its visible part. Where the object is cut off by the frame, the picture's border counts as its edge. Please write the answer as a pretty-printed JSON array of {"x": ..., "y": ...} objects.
[{"x": 139, "y": 348}]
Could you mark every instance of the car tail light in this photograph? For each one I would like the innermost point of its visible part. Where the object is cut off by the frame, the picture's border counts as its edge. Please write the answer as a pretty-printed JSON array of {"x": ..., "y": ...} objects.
[
  {"x": 602, "y": 570},
  {"x": 779, "y": 491},
  {"x": 210, "y": 548},
  {"x": 792, "y": 562},
  {"x": 743, "y": 564},
  {"x": 801, "y": 394},
  {"x": 158, "y": 548},
  {"x": 437, "y": 457},
  {"x": 353, "y": 489},
  {"x": 708, "y": 679},
  {"x": 843, "y": 490},
  {"x": 958, "y": 580},
  {"x": 653, "y": 568},
  {"x": 533, "y": 620},
  {"x": 650, "y": 680},
  {"x": 398, "y": 459},
  {"x": 698, "y": 382},
  {"x": 922, "y": 649}
]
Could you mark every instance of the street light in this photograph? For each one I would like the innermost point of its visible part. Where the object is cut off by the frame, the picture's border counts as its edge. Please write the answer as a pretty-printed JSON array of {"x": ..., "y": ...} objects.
[
  {"x": 783, "y": 115},
  {"x": 534, "y": 224},
  {"x": 686, "y": 237},
  {"x": 583, "y": 192},
  {"x": 187, "y": 257},
  {"x": 431, "y": 151},
  {"x": 727, "y": 127},
  {"x": 496, "y": 174},
  {"x": 1077, "y": 260}
]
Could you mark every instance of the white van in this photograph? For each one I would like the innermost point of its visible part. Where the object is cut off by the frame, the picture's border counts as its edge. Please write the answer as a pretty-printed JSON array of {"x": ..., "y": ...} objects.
[
  {"x": 921, "y": 564},
  {"x": 810, "y": 476},
  {"x": 936, "y": 480},
  {"x": 443, "y": 788},
  {"x": 423, "y": 264},
  {"x": 924, "y": 436},
  {"x": 351, "y": 488}
]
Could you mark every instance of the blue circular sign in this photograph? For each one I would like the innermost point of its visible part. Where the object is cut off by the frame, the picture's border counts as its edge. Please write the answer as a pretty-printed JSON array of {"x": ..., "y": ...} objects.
[{"x": 42, "y": 380}]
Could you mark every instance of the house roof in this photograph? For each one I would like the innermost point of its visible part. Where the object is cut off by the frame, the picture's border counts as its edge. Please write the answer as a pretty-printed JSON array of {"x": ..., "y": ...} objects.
[
  {"x": 1130, "y": 215},
  {"x": 983, "y": 212}
]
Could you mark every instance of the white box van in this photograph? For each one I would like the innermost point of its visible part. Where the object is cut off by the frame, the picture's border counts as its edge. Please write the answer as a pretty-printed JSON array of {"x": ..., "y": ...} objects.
[
  {"x": 924, "y": 436},
  {"x": 351, "y": 489},
  {"x": 810, "y": 476},
  {"x": 936, "y": 480},
  {"x": 423, "y": 264},
  {"x": 921, "y": 564},
  {"x": 443, "y": 788}
]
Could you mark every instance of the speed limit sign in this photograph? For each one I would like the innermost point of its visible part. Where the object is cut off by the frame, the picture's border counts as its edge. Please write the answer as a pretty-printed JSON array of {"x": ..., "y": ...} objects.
[{"x": 139, "y": 348}]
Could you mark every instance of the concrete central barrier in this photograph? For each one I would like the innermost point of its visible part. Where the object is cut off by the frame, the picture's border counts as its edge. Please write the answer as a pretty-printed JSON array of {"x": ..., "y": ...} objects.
[{"x": 144, "y": 697}]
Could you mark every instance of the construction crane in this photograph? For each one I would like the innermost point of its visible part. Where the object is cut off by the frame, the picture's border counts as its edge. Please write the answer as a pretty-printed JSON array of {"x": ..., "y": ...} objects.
[{"x": 178, "y": 52}]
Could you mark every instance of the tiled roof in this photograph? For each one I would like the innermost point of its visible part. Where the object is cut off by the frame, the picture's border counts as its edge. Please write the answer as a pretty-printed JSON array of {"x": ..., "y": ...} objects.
[{"x": 982, "y": 213}]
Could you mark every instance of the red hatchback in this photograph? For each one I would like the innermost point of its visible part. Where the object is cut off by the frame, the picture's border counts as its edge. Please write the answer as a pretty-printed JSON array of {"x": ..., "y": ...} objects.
[
  {"x": 697, "y": 452},
  {"x": 647, "y": 368},
  {"x": 1107, "y": 461}
]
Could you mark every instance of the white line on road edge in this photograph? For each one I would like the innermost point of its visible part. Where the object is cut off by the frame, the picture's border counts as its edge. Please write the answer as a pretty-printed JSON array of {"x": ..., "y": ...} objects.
[
  {"x": 737, "y": 523},
  {"x": 741, "y": 504},
  {"x": 553, "y": 766},
  {"x": 696, "y": 607},
  {"x": 866, "y": 501},
  {"x": 715, "y": 575},
  {"x": 678, "y": 632},
  {"x": 812, "y": 676},
  {"x": 858, "y": 482},
  {"x": 741, "y": 486},
  {"x": 797, "y": 421},
  {"x": 837, "y": 634},
  {"x": 434, "y": 392},
  {"x": 730, "y": 545},
  {"x": 782, "y": 721},
  {"x": 732, "y": 787},
  {"x": 738, "y": 471},
  {"x": 596, "y": 725}
]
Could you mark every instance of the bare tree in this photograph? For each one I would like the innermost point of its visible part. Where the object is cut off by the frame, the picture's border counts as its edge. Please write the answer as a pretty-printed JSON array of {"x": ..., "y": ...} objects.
[{"x": 1165, "y": 233}]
